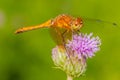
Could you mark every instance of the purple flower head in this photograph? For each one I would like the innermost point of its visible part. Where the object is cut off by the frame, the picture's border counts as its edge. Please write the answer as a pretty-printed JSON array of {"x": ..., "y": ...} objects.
[{"x": 84, "y": 45}]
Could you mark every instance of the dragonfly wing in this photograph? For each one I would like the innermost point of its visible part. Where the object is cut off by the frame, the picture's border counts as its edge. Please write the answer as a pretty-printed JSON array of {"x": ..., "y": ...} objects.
[
  {"x": 98, "y": 26},
  {"x": 56, "y": 35},
  {"x": 60, "y": 35}
]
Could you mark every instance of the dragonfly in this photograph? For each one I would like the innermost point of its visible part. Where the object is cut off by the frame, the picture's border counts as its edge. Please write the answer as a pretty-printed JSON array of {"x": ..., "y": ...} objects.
[{"x": 63, "y": 27}]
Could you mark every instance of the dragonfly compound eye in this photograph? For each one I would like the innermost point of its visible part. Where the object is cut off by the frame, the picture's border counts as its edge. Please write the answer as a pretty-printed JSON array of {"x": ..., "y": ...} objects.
[{"x": 77, "y": 23}]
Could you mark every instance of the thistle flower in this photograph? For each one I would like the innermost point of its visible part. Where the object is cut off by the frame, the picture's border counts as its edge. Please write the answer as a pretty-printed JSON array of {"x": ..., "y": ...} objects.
[
  {"x": 84, "y": 45},
  {"x": 72, "y": 57}
]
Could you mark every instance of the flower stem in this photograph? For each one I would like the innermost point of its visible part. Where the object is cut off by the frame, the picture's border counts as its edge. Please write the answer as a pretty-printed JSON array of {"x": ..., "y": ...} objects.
[{"x": 69, "y": 77}]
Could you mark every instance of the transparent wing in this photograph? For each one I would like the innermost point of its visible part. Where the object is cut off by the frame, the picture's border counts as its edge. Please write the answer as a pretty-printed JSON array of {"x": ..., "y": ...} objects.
[
  {"x": 98, "y": 27},
  {"x": 60, "y": 35}
]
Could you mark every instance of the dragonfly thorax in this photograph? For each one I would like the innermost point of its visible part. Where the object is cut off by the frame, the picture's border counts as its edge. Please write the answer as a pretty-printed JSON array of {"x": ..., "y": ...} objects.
[{"x": 68, "y": 22}]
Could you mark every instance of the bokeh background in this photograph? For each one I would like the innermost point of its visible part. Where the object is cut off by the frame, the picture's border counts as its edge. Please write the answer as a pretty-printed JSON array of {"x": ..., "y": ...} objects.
[{"x": 27, "y": 56}]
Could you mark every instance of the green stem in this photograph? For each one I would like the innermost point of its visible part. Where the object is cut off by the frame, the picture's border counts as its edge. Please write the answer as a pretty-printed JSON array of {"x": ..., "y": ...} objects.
[{"x": 69, "y": 77}]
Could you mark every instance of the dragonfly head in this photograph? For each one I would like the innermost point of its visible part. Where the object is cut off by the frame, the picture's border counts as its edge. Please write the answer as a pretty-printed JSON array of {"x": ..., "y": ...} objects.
[{"x": 77, "y": 24}]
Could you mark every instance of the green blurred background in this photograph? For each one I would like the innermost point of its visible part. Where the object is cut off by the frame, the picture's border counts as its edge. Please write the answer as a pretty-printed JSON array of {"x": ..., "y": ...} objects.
[{"x": 28, "y": 56}]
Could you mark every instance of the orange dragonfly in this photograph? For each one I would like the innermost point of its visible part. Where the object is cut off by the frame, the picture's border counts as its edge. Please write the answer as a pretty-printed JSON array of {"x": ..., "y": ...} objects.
[
  {"x": 62, "y": 21},
  {"x": 62, "y": 27}
]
